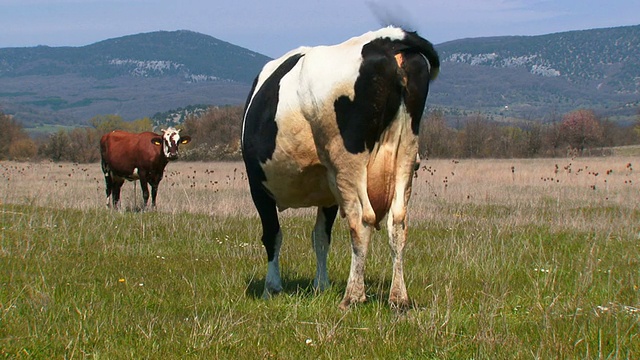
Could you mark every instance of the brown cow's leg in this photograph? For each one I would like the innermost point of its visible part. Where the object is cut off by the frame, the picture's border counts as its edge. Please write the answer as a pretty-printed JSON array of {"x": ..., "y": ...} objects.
[
  {"x": 154, "y": 180},
  {"x": 107, "y": 179},
  {"x": 109, "y": 189},
  {"x": 115, "y": 192},
  {"x": 145, "y": 193},
  {"x": 154, "y": 193}
]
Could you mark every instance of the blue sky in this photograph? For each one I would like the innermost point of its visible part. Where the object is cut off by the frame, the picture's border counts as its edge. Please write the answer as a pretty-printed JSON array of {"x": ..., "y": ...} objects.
[{"x": 273, "y": 27}]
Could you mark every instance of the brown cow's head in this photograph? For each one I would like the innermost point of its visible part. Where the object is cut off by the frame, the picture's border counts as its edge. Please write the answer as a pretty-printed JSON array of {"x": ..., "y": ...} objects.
[{"x": 169, "y": 141}]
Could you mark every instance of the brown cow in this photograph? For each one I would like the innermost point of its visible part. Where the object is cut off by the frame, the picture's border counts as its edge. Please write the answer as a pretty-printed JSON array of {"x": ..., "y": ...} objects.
[{"x": 128, "y": 156}]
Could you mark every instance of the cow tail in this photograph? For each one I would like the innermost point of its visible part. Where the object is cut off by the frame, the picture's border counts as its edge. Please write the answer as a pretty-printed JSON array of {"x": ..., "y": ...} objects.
[
  {"x": 413, "y": 42},
  {"x": 105, "y": 167}
]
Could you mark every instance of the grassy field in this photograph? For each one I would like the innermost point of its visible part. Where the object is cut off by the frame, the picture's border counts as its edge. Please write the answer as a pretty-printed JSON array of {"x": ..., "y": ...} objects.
[{"x": 507, "y": 259}]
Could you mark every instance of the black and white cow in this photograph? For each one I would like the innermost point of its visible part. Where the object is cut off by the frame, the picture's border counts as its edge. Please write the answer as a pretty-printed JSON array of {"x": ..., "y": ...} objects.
[{"x": 336, "y": 127}]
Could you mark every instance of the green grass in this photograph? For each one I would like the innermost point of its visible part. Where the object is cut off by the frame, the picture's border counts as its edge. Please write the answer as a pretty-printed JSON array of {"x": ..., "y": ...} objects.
[{"x": 124, "y": 285}]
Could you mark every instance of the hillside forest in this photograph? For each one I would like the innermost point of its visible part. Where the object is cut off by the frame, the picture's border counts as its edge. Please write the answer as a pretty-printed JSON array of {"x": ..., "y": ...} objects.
[{"x": 216, "y": 137}]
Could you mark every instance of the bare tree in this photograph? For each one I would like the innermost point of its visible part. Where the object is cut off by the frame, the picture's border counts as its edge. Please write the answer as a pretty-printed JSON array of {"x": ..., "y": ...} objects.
[
  {"x": 581, "y": 129},
  {"x": 215, "y": 134},
  {"x": 15, "y": 143},
  {"x": 476, "y": 138},
  {"x": 436, "y": 138}
]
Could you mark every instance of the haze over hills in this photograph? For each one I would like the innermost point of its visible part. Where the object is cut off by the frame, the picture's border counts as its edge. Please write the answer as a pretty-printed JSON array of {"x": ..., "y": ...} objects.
[{"x": 140, "y": 75}]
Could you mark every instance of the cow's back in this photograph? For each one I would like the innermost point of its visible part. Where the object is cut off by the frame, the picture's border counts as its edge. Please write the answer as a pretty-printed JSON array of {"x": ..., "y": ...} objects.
[{"x": 124, "y": 151}]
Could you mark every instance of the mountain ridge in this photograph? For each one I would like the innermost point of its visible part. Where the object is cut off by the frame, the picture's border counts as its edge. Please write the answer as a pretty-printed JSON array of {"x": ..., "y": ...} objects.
[
  {"x": 598, "y": 68},
  {"x": 144, "y": 74},
  {"x": 561, "y": 53},
  {"x": 133, "y": 76},
  {"x": 168, "y": 50}
]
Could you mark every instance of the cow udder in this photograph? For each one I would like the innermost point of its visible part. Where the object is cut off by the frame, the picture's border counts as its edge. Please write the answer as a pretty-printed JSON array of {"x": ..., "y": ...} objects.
[{"x": 381, "y": 174}]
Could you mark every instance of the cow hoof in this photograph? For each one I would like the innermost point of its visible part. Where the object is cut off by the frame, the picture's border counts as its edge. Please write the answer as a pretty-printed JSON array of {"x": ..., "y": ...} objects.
[
  {"x": 320, "y": 286},
  {"x": 269, "y": 293},
  {"x": 400, "y": 305},
  {"x": 348, "y": 301}
]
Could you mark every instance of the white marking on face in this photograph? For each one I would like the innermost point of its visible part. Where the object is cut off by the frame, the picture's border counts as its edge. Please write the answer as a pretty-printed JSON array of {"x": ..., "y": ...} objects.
[{"x": 171, "y": 137}]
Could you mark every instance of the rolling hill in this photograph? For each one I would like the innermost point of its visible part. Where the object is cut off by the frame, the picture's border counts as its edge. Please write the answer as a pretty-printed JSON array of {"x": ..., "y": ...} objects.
[
  {"x": 530, "y": 76},
  {"x": 132, "y": 76},
  {"x": 145, "y": 74}
]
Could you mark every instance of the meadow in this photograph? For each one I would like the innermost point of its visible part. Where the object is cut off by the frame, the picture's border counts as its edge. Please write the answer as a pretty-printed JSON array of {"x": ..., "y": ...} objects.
[{"x": 506, "y": 259}]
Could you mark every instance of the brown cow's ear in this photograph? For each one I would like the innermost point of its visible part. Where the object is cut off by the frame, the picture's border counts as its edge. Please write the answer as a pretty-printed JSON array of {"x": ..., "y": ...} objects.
[
  {"x": 185, "y": 139},
  {"x": 156, "y": 141}
]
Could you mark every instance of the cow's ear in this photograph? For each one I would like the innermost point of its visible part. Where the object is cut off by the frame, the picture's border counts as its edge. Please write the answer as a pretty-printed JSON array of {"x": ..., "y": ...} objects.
[
  {"x": 185, "y": 139},
  {"x": 156, "y": 141}
]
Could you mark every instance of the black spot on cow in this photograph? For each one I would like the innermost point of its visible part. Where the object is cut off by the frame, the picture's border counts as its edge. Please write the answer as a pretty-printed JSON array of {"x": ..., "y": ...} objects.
[
  {"x": 262, "y": 111},
  {"x": 378, "y": 93}
]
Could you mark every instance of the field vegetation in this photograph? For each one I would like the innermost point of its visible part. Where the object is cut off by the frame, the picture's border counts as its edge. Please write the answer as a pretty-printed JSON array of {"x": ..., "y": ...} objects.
[
  {"x": 215, "y": 133},
  {"x": 528, "y": 259}
]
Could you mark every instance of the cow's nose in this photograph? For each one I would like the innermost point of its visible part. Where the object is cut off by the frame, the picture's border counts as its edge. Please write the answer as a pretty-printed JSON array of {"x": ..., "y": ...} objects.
[{"x": 172, "y": 155}]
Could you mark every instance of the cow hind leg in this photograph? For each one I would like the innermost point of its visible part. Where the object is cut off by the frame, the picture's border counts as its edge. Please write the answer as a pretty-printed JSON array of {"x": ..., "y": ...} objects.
[
  {"x": 116, "y": 186},
  {"x": 398, "y": 297},
  {"x": 109, "y": 183},
  {"x": 397, "y": 228},
  {"x": 145, "y": 193},
  {"x": 271, "y": 238},
  {"x": 321, "y": 238},
  {"x": 360, "y": 237},
  {"x": 108, "y": 180}
]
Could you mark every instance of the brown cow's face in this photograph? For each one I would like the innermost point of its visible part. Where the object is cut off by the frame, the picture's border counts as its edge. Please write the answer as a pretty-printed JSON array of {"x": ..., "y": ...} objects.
[{"x": 170, "y": 141}]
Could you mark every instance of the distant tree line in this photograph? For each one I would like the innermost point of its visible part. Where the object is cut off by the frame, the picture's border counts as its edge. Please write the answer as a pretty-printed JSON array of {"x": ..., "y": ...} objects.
[
  {"x": 15, "y": 144},
  {"x": 578, "y": 133},
  {"x": 216, "y": 136},
  {"x": 79, "y": 145}
]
